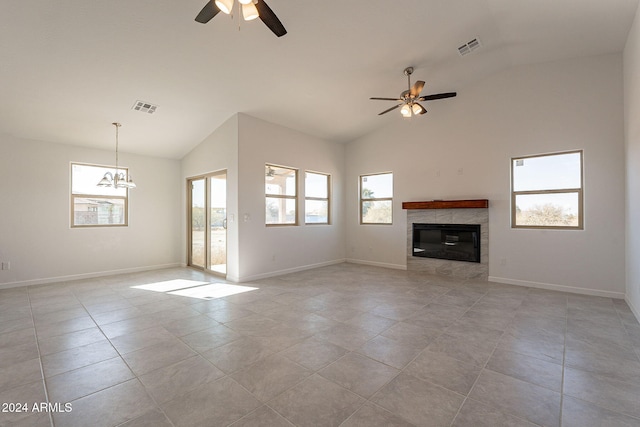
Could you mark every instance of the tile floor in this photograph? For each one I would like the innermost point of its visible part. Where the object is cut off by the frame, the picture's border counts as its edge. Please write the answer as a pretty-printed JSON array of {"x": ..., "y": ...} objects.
[{"x": 344, "y": 345}]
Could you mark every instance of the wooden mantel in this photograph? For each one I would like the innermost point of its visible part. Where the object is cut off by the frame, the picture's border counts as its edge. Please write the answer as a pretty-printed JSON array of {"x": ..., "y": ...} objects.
[{"x": 447, "y": 204}]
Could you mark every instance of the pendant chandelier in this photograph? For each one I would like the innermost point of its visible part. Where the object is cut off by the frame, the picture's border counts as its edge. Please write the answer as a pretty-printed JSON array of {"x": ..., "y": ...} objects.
[{"x": 117, "y": 179}]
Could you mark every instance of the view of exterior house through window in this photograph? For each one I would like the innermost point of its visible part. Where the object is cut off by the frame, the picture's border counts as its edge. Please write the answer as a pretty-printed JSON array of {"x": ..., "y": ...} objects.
[
  {"x": 376, "y": 198},
  {"x": 547, "y": 191},
  {"x": 93, "y": 206},
  {"x": 281, "y": 186},
  {"x": 316, "y": 201}
]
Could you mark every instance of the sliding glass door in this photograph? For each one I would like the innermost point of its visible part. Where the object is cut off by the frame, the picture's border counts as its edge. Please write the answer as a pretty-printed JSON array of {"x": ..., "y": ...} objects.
[{"x": 208, "y": 222}]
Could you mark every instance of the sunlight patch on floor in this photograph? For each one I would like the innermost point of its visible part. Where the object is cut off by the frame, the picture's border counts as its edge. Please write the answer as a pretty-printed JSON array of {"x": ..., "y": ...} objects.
[
  {"x": 170, "y": 285},
  {"x": 214, "y": 290},
  {"x": 195, "y": 289}
]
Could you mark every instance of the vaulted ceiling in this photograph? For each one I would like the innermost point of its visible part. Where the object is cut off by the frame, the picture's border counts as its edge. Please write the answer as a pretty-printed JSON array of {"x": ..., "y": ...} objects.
[{"x": 68, "y": 68}]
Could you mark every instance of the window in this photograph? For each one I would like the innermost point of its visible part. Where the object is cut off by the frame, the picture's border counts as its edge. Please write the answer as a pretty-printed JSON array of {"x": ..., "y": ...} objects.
[
  {"x": 93, "y": 206},
  {"x": 316, "y": 201},
  {"x": 281, "y": 195},
  {"x": 547, "y": 191},
  {"x": 376, "y": 198}
]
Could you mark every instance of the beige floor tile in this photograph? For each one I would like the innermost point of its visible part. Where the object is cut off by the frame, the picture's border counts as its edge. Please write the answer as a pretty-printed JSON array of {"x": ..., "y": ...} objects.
[
  {"x": 107, "y": 408},
  {"x": 317, "y": 402},
  {"x": 71, "y": 340},
  {"x": 271, "y": 376},
  {"x": 20, "y": 373},
  {"x": 530, "y": 369},
  {"x": 238, "y": 354},
  {"x": 81, "y": 382},
  {"x": 359, "y": 374},
  {"x": 374, "y": 416},
  {"x": 525, "y": 400},
  {"x": 578, "y": 413},
  {"x": 314, "y": 354},
  {"x": 157, "y": 356},
  {"x": 213, "y": 404},
  {"x": 176, "y": 380},
  {"x": 140, "y": 339},
  {"x": 389, "y": 351},
  {"x": 445, "y": 371},
  {"x": 207, "y": 339},
  {"x": 26, "y": 396},
  {"x": 611, "y": 393},
  {"x": 476, "y": 414},
  {"x": 262, "y": 417},
  {"x": 419, "y": 402},
  {"x": 68, "y": 360}
]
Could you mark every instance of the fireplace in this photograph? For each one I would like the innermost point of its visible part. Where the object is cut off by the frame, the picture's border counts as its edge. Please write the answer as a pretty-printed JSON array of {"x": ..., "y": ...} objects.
[
  {"x": 445, "y": 214},
  {"x": 456, "y": 242}
]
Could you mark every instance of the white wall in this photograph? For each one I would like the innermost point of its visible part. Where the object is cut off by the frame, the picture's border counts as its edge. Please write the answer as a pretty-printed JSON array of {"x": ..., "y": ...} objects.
[
  {"x": 35, "y": 233},
  {"x": 267, "y": 251},
  {"x": 462, "y": 149},
  {"x": 632, "y": 149},
  {"x": 217, "y": 152}
]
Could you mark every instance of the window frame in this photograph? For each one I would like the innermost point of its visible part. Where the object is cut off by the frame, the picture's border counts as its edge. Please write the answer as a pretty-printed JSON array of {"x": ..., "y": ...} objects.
[
  {"x": 283, "y": 196},
  {"x": 320, "y": 199},
  {"x": 74, "y": 196},
  {"x": 579, "y": 191},
  {"x": 374, "y": 199}
]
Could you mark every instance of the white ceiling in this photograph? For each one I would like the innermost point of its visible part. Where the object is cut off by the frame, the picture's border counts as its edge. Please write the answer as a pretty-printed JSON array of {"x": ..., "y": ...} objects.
[{"x": 68, "y": 68}]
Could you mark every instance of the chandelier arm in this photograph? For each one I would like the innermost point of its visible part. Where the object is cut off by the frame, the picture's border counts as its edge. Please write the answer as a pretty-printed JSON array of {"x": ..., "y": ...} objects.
[{"x": 117, "y": 125}]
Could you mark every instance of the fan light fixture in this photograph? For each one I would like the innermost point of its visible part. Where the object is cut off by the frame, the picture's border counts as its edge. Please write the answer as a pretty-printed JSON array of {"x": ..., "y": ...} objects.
[
  {"x": 270, "y": 173},
  {"x": 417, "y": 109},
  {"x": 410, "y": 99},
  {"x": 225, "y": 5},
  {"x": 116, "y": 179},
  {"x": 249, "y": 10}
]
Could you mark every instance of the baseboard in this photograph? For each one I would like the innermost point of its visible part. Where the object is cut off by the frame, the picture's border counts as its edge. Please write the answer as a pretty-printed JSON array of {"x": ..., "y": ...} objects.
[
  {"x": 281, "y": 272},
  {"x": 561, "y": 288},
  {"x": 376, "y": 264},
  {"x": 634, "y": 310},
  {"x": 86, "y": 276}
]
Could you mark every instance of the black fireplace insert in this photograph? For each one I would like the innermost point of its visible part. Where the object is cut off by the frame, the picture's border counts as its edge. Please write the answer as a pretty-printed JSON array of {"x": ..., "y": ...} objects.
[{"x": 458, "y": 242}]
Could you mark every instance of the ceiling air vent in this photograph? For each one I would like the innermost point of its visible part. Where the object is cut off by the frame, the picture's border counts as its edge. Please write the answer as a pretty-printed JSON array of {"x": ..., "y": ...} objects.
[
  {"x": 145, "y": 107},
  {"x": 469, "y": 47}
]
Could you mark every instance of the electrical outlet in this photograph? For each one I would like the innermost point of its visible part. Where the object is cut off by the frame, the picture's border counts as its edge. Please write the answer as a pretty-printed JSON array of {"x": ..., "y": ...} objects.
[{"x": 6, "y": 265}]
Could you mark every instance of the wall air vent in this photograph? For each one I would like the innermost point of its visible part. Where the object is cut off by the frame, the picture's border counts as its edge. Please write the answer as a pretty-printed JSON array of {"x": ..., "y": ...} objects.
[
  {"x": 469, "y": 47},
  {"x": 145, "y": 107}
]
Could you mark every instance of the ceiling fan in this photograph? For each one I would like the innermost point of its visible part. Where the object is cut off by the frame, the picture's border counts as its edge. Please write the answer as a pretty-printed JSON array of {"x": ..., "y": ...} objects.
[
  {"x": 251, "y": 9},
  {"x": 410, "y": 98}
]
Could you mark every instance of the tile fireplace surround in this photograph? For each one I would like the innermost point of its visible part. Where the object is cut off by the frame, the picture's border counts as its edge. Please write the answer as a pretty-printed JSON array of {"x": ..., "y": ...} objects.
[{"x": 450, "y": 212}]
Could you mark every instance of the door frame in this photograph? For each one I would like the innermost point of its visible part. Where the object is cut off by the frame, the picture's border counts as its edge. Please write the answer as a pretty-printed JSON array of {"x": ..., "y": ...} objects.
[{"x": 207, "y": 234}]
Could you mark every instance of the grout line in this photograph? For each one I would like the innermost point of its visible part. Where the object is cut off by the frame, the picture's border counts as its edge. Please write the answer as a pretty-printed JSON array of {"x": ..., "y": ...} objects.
[
  {"x": 44, "y": 383},
  {"x": 564, "y": 353}
]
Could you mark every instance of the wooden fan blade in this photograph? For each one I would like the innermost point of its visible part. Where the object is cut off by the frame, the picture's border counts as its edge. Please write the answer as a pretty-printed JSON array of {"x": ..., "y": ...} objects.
[
  {"x": 437, "y": 96},
  {"x": 270, "y": 19},
  {"x": 207, "y": 13},
  {"x": 387, "y": 99},
  {"x": 390, "y": 109},
  {"x": 417, "y": 88}
]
